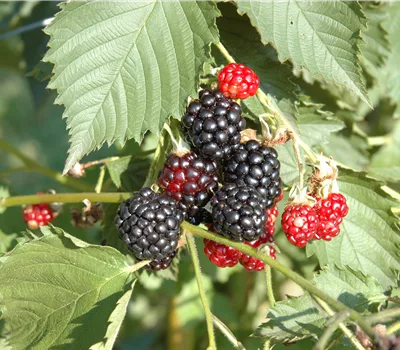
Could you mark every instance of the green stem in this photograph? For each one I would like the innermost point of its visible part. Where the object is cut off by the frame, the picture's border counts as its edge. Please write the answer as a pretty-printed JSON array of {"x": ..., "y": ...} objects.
[
  {"x": 111, "y": 197},
  {"x": 209, "y": 317},
  {"x": 13, "y": 170},
  {"x": 384, "y": 316},
  {"x": 333, "y": 325},
  {"x": 270, "y": 291},
  {"x": 393, "y": 328},
  {"x": 34, "y": 166},
  {"x": 342, "y": 326},
  {"x": 227, "y": 333},
  {"x": 137, "y": 266},
  {"x": 100, "y": 180},
  {"x": 271, "y": 107},
  {"x": 266, "y": 345},
  {"x": 154, "y": 167},
  {"x": 301, "y": 281}
]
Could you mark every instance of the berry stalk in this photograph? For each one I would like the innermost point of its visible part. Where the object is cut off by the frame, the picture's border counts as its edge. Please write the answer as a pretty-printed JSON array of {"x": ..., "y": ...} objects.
[
  {"x": 111, "y": 197},
  {"x": 302, "y": 282},
  {"x": 207, "y": 312},
  {"x": 31, "y": 165}
]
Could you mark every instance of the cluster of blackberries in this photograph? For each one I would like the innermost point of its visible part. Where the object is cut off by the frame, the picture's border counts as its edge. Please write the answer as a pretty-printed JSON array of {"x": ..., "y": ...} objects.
[{"x": 149, "y": 222}]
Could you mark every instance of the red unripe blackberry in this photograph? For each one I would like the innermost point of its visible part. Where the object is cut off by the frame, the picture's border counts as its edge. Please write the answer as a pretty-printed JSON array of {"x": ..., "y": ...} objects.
[
  {"x": 220, "y": 254},
  {"x": 189, "y": 179},
  {"x": 299, "y": 222},
  {"x": 251, "y": 263},
  {"x": 258, "y": 166},
  {"x": 238, "y": 81},
  {"x": 272, "y": 215},
  {"x": 149, "y": 224},
  {"x": 36, "y": 215},
  {"x": 238, "y": 212},
  {"x": 330, "y": 212},
  {"x": 212, "y": 124}
]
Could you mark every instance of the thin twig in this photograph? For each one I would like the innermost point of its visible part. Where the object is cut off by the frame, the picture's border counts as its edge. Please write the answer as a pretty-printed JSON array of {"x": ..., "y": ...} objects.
[
  {"x": 300, "y": 164},
  {"x": 393, "y": 328},
  {"x": 227, "y": 333},
  {"x": 27, "y": 28},
  {"x": 196, "y": 264},
  {"x": 100, "y": 180},
  {"x": 336, "y": 320},
  {"x": 383, "y": 316},
  {"x": 349, "y": 334}
]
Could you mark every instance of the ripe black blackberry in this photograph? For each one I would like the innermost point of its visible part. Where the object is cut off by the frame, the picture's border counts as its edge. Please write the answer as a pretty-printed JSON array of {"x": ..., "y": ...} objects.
[
  {"x": 258, "y": 166},
  {"x": 149, "y": 224},
  {"x": 189, "y": 179},
  {"x": 238, "y": 212},
  {"x": 213, "y": 124},
  {"x": 203, "y": 216},
  {"x": 163, "y": 264}
]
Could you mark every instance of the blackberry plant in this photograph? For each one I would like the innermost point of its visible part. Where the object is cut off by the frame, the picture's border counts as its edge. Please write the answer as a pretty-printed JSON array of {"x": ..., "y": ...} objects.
[{"x": 265, "y": 132}]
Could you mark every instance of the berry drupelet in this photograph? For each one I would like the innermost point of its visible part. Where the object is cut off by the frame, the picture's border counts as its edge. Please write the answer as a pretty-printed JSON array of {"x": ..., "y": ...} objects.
[
  {"x": 258, "y": 166},
  {"x": 221, "y": 255},
  {"x": 191, "y": 181},
  {"x": 149, "y": 224},
  {"x": 212, "y": 124},
  {"x": 238, "y": 212}
]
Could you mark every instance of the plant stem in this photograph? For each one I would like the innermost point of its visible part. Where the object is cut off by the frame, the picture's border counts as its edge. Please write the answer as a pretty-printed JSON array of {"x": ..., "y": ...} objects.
[
  {"x": 274, "y": 109},
  {"x": 383, "y": 316},
  {"x": 209, "y": 317},
  {"x": 34, "y": 166},
  {"x": 302, "y": 169},
  {"x": 336, "y": 320},
  {"x": 270, "y": 291},
  {"x": 111, "y": 197},
  {"x": 137, "y": 266},
  {"x": 154, "y": 167},
  {"x": 266, "y": 345},
  {"x": 227, "y": 333},
  {"x": 342, "y": 326},
  {"x": 27, "y": 28},
  {"x": 301, "y": 281},
  {"x": 100, "y": 180},
  {"x": 393, "y": 328}
]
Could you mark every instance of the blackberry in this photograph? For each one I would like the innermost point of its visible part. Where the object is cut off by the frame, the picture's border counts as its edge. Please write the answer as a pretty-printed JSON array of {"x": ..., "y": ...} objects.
[
  {"x": 213, "y": 124},
  {"x": 149, "y": 224},
  {"x": 190, "y": 180},
  {"x": 221, "y": 255},
  {"x": 163, "y": 264},
  {"x": 203, "y": 216},
  {"x": 238, "y": 212},
  {"x": 258, "y": 166}
]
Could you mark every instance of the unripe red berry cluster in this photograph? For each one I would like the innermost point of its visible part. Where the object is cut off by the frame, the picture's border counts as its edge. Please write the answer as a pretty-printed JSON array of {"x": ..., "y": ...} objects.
[{"x": 302, "y": 223}]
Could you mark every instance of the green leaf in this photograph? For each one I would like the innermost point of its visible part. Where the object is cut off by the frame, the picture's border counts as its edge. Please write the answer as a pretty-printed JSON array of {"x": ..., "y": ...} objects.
[
  {"x": 128, "y": 172},
  {"x": 352, "y": 288},
  {"x": 375, "y": 45},
  {"x": 292, "y": 320},
  {"x": 62, "y": 284},
  {"x": 344, "y": 151},
  {"x": 243, "y": 43},
  {"x": 369, "y": 239},
  {"x": 289, "y": 168},
  {"x": 316, "y": 124},
  {"x": 7, "y": 241},
  {"x": 115, "y": 322},
  {"x": 301, "y": 317},
  {"x": 122, "y": 68},
  {"x": 385, "y": 163},
  {"x": 321, "y": 37},
  {"x": 392, "y": 78}
]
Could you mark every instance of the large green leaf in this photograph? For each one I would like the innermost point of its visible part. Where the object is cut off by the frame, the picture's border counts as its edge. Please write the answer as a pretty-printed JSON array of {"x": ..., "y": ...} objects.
[
  {"x": 392, "y": 78},
  {"x": 369, "y": 239},
  {"x": 302, "y": 317},
  {"x": 321, "y": 37},
  {"x": 57, "y": 290},
  {"x": 121, "y": 68}
]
